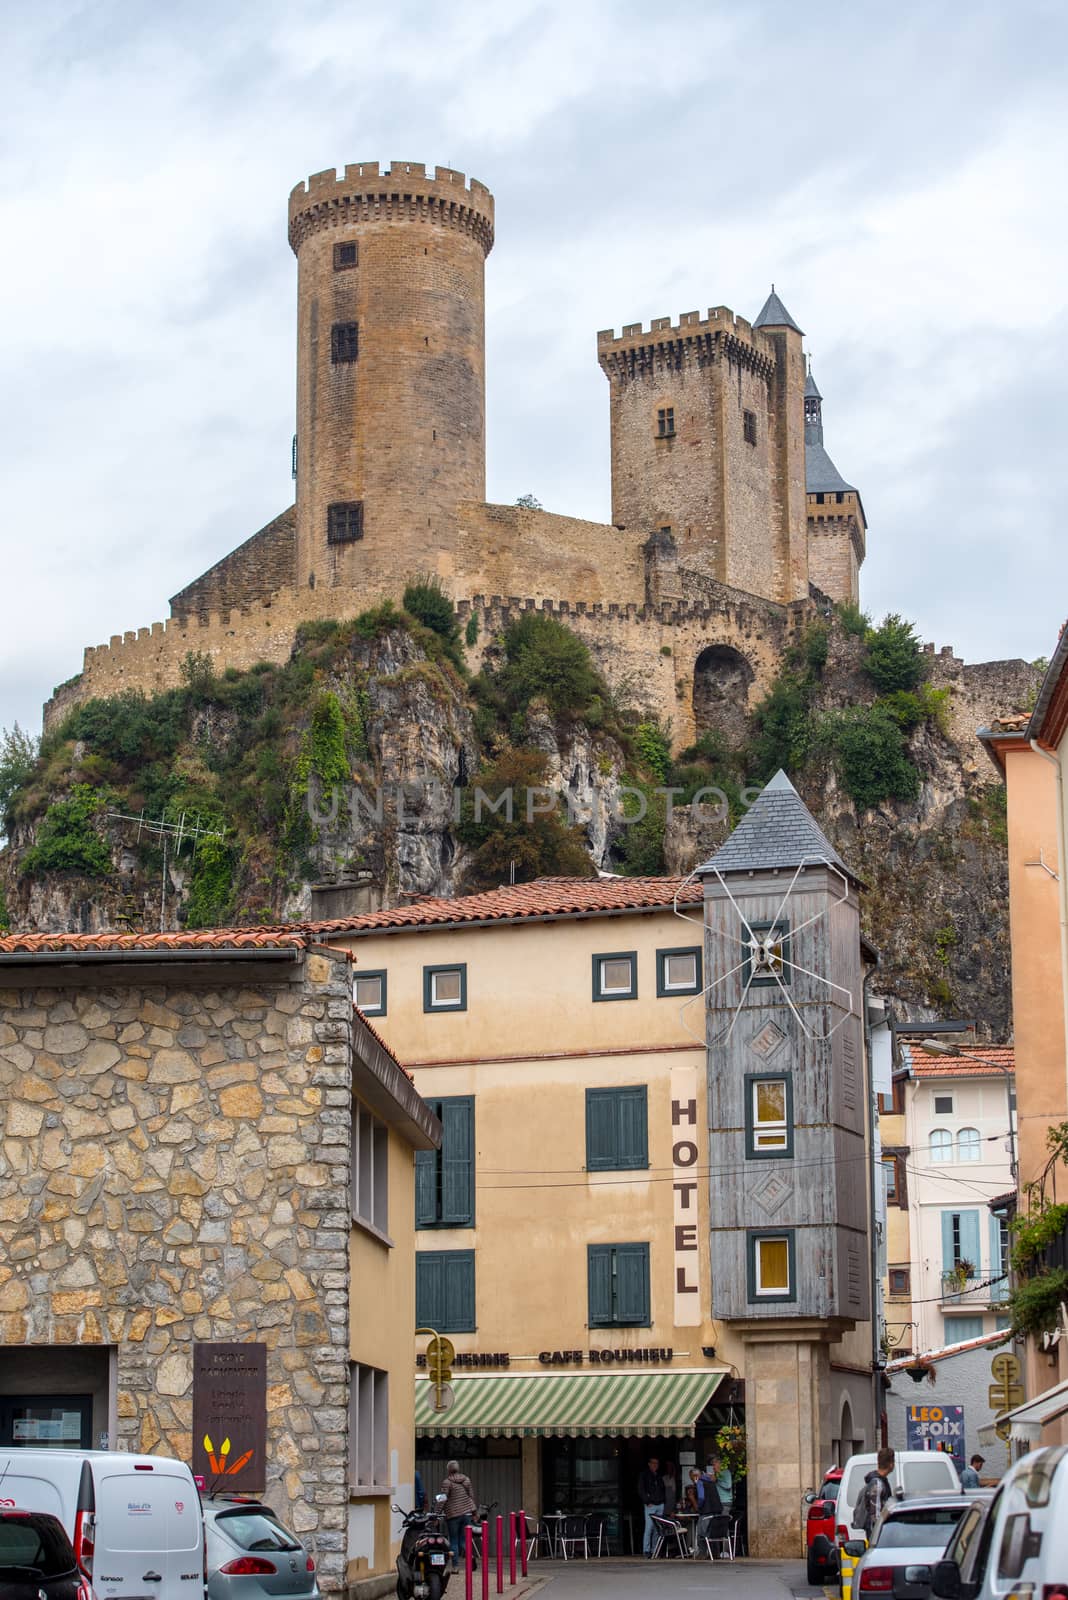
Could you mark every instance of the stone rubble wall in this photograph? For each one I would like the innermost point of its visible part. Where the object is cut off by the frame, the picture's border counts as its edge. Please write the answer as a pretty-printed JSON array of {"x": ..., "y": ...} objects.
[{"x": 174, "y": 1166}]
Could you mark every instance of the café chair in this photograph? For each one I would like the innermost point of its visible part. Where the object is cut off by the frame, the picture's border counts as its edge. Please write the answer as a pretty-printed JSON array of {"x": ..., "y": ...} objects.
[{"x": 668, "y": 1530}]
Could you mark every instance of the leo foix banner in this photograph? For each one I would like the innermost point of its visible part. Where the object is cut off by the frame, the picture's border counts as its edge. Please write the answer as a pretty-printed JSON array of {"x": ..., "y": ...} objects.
[
  {"x": 936, "y": 1428},
  {"x": 230, "y": 1415}
]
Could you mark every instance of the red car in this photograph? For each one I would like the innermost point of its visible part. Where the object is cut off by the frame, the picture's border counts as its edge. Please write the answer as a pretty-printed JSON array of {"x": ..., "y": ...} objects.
[{"x": 819, "y": 1525}]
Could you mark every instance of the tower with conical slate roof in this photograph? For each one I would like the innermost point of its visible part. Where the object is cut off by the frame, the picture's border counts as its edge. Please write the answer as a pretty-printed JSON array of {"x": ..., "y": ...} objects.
[
  {"x": 788, "y": 1208},
  {"x": 836, "y": 525},
  {"x": 707, "y": 427}
]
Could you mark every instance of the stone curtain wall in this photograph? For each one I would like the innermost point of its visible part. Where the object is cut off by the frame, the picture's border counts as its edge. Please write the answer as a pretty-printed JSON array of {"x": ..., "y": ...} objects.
[
  {"x": 174, "y": 1167},
  {"x": 256, "y": 571}
]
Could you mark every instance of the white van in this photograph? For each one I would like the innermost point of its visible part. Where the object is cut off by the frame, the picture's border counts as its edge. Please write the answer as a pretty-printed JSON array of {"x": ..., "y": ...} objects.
[
  {"x": 135, "y": 1521},
  {"x": 915, "y": 1472},
  {"x": 1018, "y": 1544}
]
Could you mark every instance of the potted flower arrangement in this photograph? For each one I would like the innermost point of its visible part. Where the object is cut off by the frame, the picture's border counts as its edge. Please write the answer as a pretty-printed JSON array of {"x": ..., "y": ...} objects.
[{"x": 921, "y": 1367}]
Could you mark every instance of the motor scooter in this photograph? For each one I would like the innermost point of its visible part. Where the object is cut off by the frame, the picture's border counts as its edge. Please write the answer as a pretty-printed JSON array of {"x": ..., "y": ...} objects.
[{"x": 423, "y": 1561}]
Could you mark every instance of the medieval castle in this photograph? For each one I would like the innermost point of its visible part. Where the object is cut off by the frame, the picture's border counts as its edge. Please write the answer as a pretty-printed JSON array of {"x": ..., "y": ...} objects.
[{"x": 729, "y": 520}]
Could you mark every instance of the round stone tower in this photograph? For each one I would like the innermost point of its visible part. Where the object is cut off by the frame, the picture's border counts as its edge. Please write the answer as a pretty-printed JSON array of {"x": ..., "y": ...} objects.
[{"x": 390, "y": 368}]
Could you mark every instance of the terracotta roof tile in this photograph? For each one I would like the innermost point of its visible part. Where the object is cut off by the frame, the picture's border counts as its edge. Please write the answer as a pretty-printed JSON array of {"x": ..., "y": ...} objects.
[
  {"x": 926, "y": 1066},
  {"x": 545, "y": 897},
  {"x": 221, "y": 939}
]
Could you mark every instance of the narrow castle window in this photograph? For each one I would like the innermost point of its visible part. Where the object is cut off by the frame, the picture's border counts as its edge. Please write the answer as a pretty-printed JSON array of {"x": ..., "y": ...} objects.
[
  {"x": 749, "y": 426},
  {"x": 344, "y": 342},
  {"x": 345, "y": 255},
  {"x": 344, "y": 521},
  {"x": 665, "y": 422}
]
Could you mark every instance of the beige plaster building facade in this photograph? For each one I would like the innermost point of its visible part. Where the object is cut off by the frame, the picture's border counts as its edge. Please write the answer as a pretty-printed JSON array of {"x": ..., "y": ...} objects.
[
  {"x": 564, "y": 1238},
  {"x": 201, "y": 1145},
  {"x": 1030, "y": 750}
]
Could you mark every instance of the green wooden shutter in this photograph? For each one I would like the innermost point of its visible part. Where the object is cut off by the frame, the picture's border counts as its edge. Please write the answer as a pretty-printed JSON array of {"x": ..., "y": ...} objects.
[
  {"x": 948, "y": 1262},
  {"x": 602, "y": 1130},
  {"x": 632, "y": 1284},
  {"x": 633, "y": 1128},
  {"x": 969, "y": 1239},
  {"x": 459, "y": 1314},
  {"x": 457, "y": 1162},
  {"x": 429, "y": 1288},
  {"x": 599, "y": 1273},
  {"x": 426, "y": 1188}
]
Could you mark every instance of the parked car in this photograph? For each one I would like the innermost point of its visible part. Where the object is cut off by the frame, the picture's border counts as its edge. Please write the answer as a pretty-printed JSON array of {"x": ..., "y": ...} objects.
[
  {"x": 1017, "y": 1544},
  {"x": 908, "y": 1541},
  {"x": 915, "y": 1472},
  {"x": 251, "y": 1553},
  {"x": 37, "y": 1559},
  {"x": 134, "y": 1520},
  {"x": 819, "y": 1529}
]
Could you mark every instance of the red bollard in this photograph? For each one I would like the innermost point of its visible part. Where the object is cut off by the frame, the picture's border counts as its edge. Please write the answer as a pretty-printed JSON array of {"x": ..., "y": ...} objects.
[
  {"x": 500, "y": 1555},
  {"x": 523, "y": 1542},
  {"x": 485, "y": 1561},
  {"x": 511, "y": 1548},
  {"x": 469, "y": 1536}
]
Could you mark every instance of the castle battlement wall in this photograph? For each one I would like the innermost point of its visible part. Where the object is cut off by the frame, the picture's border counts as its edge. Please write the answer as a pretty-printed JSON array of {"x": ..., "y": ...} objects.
[
  {"x": 722, "y": 334},
  {"x": 406, "y": 191}
]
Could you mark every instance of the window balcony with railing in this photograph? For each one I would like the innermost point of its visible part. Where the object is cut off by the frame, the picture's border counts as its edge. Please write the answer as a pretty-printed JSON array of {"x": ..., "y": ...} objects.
[{"x": 972, "y": 1292}]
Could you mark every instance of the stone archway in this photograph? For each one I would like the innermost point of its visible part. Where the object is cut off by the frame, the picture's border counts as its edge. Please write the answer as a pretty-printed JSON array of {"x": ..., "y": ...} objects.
[
  {"x": 848, "y": 1442},
  {"x": 721, "y": 680}
]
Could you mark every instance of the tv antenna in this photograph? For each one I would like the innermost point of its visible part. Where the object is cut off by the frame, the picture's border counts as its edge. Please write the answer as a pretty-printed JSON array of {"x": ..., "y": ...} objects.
[{"x": 175, "y": 834}]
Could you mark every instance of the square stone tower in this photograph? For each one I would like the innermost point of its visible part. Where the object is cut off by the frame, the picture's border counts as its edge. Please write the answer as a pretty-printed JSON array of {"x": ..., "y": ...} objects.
[
  {"x": 788, "y": 1209},
  {"x": 707, "y": 429}
]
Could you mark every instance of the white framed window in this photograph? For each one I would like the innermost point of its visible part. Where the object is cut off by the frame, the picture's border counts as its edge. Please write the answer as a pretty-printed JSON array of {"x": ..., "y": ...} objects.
[
  {"x": 941, "y": 1145},
  {"x": 370, "y": 1169},
  {"x": 678, "y": 971},
  {"x": 943, "y": 1104},
  {"x": 369, "y": 993},
  {"x": 368, "y": 1427},
  {"x": 772, "y": 1266},
  {"x": 615, "y": 976},
  {"x": 969, "y": 1145},
  {"x": 771, "y": 1121},
  {"x": 445, "y": 988}
]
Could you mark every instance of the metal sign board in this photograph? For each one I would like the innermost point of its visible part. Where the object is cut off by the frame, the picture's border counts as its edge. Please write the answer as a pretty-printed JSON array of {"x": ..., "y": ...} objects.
[
  {"x": 230, "y": 1415},
  {"x": 1005, "y": 1367},
  {"x": 1003, "y": 1396},
  {"x": 938, "y": 1428}
]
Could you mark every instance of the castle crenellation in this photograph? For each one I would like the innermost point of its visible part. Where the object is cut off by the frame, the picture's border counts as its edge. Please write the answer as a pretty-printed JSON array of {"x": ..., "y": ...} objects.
[{"x": 730, "y": 524}]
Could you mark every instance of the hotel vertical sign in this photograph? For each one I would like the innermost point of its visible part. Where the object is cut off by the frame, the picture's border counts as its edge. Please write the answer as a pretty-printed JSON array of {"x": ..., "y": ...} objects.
[
  {"x": 685, "y": 1185},
  {"x": 230, "y": 1415}
]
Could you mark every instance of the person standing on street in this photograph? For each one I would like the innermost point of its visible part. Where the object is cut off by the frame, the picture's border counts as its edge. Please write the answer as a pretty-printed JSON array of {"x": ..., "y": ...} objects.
[
  {"x": 875, "y": 1493},
  {"x": 651, "y": 1495},
  {"x": 460, "y": 1505},
  {"x": 969, "y": 1478}
]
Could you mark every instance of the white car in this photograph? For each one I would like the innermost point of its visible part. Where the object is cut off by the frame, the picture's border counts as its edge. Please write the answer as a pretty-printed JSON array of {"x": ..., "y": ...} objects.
[
  {"x": 915, "y": 1472},
  {"x": 1017, "y": 1545},
  {"x": 907, "y": 1543}
]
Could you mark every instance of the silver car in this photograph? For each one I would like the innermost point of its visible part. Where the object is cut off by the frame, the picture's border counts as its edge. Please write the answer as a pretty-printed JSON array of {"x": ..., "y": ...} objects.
[
  {"x": 251, "y": 1555},
  {"x": 907, "y": 1541}
]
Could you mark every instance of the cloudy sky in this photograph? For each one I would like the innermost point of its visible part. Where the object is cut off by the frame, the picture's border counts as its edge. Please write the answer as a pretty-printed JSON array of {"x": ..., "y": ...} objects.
[{"x": 898, "y": 171}]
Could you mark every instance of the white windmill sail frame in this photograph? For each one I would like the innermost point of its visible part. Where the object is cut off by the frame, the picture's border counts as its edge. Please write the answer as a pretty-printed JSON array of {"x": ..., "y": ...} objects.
[{"x": 751, "y": 944}]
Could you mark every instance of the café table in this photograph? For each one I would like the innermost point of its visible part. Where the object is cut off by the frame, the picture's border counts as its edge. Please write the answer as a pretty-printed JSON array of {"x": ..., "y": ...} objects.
[
  {"x": 555, "y": 1520},
  {"x": 689, "y": 1520}
]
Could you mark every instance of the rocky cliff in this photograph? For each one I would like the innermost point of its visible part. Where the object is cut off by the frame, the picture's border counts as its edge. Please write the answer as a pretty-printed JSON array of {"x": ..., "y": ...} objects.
[{"x": 371, "y": 767}]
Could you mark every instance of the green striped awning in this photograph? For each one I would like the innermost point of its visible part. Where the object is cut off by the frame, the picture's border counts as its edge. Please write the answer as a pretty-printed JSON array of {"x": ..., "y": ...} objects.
[{"x": 587, "y": 1404}]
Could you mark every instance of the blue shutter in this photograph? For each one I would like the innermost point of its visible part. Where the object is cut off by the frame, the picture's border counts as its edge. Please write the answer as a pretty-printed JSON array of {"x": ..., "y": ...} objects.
[
  {"x": 633, "y": 1128},
  {"x": 457, "y": 1162},
  {"x": 602, "y": 1130},
  {"x": 998, "y": 1263},
  {"x": 599, "y": 1272},
  {"x": 969, "y": 1239},
  {"x": 632, "y": 1285},
  {"x": 459, "y": 1314},
  {"x": 426, "y": 1189},
  {"x": 956, "y": 1329},
  {"x": 948, "y": 1262},
  {"x": 429, "y": 1289}
]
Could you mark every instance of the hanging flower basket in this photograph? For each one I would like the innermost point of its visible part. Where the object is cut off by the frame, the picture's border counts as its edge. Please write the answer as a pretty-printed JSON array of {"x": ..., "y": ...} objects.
[{"x": 921, "y": 1368}]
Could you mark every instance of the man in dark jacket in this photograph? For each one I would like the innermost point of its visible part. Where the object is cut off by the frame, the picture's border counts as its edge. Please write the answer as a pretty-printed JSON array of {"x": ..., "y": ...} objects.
[
  {"x": 651, "y": 1495},
  {"x": 875, "y": 1493}
]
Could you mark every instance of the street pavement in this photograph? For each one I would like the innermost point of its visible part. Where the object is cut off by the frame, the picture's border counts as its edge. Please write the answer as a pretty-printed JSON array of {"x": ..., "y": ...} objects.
[{"x": 680, "y": 1580}]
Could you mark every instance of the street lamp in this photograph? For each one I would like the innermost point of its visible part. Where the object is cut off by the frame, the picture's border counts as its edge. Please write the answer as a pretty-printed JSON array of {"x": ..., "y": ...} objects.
[{"x": 936, "y": 1047}]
